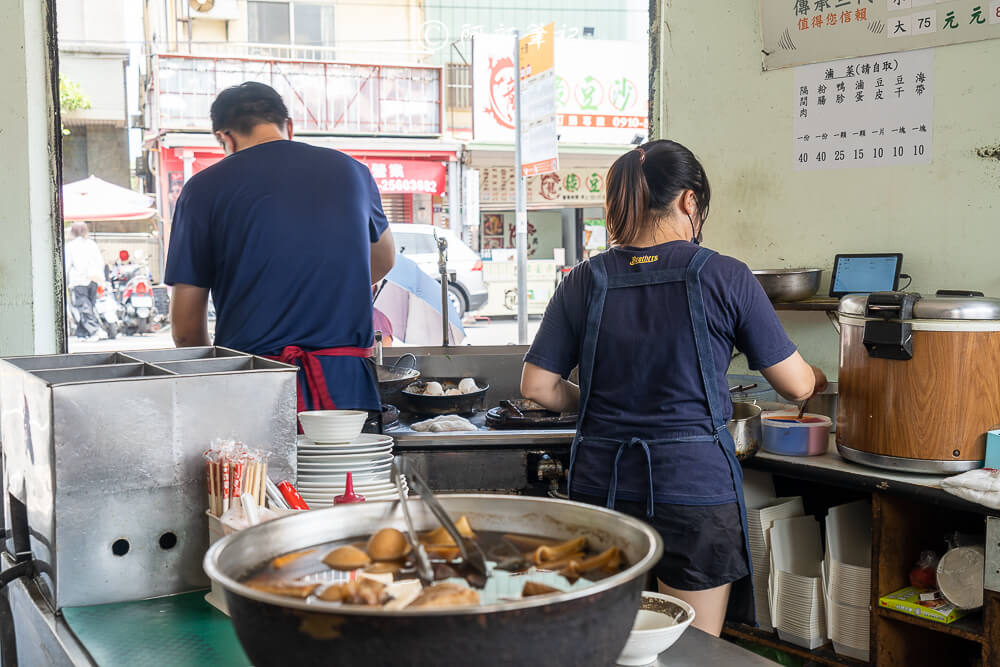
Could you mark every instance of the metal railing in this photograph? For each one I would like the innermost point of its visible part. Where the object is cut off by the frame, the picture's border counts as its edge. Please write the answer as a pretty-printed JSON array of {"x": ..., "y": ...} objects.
[{"x": 322, "y": 96}]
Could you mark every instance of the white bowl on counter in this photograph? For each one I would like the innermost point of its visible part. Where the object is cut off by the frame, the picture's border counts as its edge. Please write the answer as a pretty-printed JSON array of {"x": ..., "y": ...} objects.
[
  {"x": 660, "y": 622},
  {"x": 332, "y": 426}
]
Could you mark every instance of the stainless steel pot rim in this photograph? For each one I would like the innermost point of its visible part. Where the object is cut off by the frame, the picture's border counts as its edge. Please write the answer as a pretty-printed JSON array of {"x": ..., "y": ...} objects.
[
  {"x": 636, "y": 570},
  {"x": 782, "y": 272}
]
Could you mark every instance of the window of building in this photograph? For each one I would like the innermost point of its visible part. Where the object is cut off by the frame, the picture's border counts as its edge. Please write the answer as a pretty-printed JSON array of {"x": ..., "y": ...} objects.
[
  {"x": 269, "y": 22},
  {"x": 295, "y": 23}
]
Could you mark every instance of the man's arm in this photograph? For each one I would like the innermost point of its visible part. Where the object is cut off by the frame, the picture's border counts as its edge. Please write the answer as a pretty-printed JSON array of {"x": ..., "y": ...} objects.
[
  {"x": 383, "y": 256},
  {"x": 189, "y": 316}
]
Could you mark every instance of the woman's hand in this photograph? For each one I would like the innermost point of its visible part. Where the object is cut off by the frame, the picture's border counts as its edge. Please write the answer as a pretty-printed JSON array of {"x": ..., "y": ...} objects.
[
  {"x": 821, "y": 381},
  {"x": 548, "y": 389}
]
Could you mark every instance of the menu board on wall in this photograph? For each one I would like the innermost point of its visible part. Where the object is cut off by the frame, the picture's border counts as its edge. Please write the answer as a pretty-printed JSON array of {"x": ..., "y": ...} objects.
[
  {"x": 864, "y": 112},
  {"x": 796, "y": 32}
]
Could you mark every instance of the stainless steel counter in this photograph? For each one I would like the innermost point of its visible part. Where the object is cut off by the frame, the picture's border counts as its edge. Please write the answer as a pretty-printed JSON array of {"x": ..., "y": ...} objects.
[
  {"x": 406, "y": 438},
  {"x": 44, "y": 639}
]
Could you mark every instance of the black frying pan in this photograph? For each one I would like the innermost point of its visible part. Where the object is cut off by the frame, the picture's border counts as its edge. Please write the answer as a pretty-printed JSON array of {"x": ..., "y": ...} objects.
[{"x": 444, "y": 405}]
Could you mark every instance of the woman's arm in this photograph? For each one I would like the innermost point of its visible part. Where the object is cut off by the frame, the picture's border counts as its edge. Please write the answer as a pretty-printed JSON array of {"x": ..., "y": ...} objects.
[
  {"x": 794, "y": 379},
  {"x": 548, "y": 389}
]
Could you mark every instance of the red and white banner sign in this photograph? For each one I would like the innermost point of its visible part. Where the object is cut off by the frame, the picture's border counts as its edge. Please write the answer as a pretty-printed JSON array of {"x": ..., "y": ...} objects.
[
  {"x": 408, "y": 176},
  {"x": 600, "y": 90}
]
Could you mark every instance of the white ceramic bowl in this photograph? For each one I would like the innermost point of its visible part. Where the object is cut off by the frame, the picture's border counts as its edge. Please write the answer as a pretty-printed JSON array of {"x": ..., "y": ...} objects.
[
  {"x": 332, "y": 426},
  {"x": 655, "y": 631}
]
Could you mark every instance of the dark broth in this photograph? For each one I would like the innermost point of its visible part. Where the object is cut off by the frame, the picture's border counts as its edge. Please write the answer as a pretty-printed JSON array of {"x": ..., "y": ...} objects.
[{"x": 503, "y": 550}]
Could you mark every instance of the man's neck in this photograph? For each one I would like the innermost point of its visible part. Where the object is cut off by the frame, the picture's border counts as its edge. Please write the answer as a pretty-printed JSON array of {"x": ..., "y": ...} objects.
[{"x": 261, "y": 134}]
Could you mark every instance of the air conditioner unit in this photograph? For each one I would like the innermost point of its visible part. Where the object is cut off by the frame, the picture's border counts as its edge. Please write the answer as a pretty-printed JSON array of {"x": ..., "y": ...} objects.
[{"x": 214, "y": 10}]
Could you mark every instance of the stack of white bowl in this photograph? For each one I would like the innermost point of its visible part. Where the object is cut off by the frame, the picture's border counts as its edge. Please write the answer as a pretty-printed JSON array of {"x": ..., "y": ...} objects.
[
  {"x": 847, "y": 578},
  {"x": 797, "y": 604},
  {"x": 333, "y": 446},
  {"x": 761, "y": 514}
]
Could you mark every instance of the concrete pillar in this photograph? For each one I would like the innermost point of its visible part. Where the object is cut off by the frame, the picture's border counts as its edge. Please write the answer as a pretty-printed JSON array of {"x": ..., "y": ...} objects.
[{"x": 32, "y": 284}]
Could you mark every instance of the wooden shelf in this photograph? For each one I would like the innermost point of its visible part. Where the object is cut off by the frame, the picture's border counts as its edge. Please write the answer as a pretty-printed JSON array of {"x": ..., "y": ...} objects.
[
  {"x": 816, "y": 303},
  {"x": 824, "y": 655},
  {"x": 969, "y": 627}
]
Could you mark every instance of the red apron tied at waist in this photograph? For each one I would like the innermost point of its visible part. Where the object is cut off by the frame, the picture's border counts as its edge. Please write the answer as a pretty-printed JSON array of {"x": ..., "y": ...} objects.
[{"x": 308, "y": 361}]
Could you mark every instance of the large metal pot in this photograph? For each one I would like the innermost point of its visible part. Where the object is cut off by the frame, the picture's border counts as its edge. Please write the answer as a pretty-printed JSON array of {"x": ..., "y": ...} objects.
[
  {"x": 588, "y": 626},
  {"x": 746, "y": 429},
  {"x": 392, "y": 380},
  {"x": 784, "y": 285}
]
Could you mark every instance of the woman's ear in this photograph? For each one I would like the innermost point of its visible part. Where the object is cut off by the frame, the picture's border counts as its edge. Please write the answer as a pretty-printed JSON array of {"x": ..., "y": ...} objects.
[{"x": 688, "y": 203}]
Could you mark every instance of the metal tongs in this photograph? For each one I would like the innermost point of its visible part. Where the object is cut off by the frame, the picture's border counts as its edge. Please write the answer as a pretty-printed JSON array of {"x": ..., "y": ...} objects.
[
  {"x": 470, "y": 551},
  {"x": 424, "y": 569}
]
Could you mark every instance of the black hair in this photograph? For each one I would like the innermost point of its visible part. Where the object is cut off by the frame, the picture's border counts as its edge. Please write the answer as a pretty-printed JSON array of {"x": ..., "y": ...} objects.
[
  {"x": 241, "y": 108},
  {"x": 645, "y": 181}
]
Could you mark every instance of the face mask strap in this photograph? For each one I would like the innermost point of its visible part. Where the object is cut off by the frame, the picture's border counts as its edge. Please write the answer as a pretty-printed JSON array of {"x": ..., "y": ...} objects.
[{"x": 695, "y": 235}]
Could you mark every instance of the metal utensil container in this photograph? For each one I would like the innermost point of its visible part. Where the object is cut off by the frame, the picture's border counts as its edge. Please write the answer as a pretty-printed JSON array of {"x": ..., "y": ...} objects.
[
  {"x": 745, "y": 427},
  {"x": 104, "y": 451}
]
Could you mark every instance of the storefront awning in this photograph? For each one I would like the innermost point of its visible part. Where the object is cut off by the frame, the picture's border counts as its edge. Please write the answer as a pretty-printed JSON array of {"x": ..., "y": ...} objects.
[{"x": 93, "y": 199}]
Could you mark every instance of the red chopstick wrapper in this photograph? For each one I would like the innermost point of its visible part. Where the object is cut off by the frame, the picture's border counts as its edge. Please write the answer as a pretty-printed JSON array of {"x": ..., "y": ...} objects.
[{"x": 292, "y": 496}]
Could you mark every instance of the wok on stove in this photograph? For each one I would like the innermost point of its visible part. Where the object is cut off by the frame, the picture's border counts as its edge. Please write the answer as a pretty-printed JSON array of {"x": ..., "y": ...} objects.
[{"x": 588, "y": 626}]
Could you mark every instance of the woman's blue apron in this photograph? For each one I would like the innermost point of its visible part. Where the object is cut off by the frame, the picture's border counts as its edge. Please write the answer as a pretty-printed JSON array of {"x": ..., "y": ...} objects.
[{"x": 742, "y": 600}]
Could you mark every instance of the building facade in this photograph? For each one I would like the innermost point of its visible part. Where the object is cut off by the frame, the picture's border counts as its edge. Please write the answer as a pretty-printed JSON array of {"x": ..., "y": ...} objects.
[{"x": 93, "y": 59}]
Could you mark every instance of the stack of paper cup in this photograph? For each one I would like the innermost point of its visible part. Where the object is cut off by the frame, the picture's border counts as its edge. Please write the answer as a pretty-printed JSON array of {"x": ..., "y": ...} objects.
[
  {"x": 759, "y": 522},
  {"x": 797, "y": 604},
  {"x": 847, "y": 576}
]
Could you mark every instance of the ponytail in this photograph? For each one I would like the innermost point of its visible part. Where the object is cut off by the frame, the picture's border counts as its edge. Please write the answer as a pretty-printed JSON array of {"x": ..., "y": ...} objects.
[
  {"x": 644, "y": 182},
  {"x": 628, "y": 198}
]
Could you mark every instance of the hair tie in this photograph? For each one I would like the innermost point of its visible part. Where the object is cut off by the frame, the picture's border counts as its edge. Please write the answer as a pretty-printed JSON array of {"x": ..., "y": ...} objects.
[{"x": 642, "y": 154}]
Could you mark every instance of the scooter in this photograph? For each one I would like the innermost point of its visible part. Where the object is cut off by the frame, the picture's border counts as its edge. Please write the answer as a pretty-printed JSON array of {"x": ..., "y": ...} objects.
[
  {"x": 107, "y": 309},
  {"x": 134, "y": 289}
]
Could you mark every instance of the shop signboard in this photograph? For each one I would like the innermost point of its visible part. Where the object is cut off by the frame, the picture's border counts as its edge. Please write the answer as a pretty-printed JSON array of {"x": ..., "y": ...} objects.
[
  {"x": 539, "y": 133},
  {"x": 470, "y": 197},
  {"x": 808, "y": 31},
  {"x": 570, "y": 187},
  {"x": 408, "y": 176},
  {"x": 600, "y": 90}
]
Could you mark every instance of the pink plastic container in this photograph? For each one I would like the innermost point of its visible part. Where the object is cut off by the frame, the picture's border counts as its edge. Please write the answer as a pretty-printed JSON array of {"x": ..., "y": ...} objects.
[{"x": 783, "y": 434}]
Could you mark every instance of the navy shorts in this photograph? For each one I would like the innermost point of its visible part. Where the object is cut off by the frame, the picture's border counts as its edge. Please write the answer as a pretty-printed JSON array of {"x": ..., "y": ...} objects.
[{"x": 703, "y": 545}]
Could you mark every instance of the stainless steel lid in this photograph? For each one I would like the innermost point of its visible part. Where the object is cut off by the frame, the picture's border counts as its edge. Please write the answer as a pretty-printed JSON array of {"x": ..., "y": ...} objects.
[{"x": 933, "y": 307}]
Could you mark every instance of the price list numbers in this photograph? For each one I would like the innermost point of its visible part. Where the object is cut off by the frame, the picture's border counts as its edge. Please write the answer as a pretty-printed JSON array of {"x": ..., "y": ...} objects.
[{"x": 867, "y": 112}]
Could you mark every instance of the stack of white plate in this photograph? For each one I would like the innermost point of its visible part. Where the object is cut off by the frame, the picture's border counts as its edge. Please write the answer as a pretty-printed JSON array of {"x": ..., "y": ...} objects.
[
  {"x": 323, "y": 468},
  {"x": 760, "y": 516},
  {"x": 847, "y": 578},
  {"x": 797, "y": 603}
]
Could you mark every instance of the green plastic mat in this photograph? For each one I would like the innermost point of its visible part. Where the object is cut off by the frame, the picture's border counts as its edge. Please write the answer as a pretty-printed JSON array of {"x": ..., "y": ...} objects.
[{"x": 177, "y": 630}]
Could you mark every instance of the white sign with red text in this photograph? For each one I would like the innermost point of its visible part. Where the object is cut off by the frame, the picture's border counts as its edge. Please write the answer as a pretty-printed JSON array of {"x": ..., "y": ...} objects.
[{"x": 600, "y": 87}]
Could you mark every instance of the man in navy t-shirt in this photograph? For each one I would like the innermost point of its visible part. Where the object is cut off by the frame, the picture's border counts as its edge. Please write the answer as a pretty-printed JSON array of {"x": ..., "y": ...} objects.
[{"x": 289, "y": 239}]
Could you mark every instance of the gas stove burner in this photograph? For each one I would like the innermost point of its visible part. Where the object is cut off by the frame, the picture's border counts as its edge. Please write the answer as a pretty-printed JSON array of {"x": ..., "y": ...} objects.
[
  {"x": 519, "y": 413},
  {"x": 390, "y": 418}
]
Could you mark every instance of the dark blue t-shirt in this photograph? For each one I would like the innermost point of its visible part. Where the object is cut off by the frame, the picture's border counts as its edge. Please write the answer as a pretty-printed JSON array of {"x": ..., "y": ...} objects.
[
  {"x": 281, "y": 233},
  {"x": 646, "y": 380},
  {"x": 646, "y": 376}
]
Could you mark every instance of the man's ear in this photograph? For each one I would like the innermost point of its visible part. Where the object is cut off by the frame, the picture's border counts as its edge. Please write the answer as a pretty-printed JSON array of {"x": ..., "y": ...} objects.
[{"x": 226, "y": 139}]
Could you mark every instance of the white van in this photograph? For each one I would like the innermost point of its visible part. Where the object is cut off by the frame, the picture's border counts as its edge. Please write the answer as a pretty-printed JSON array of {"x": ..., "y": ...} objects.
[{"x": 417, "y": 242}]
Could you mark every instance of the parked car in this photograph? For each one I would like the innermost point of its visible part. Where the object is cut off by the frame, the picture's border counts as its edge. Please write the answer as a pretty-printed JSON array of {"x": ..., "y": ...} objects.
[{"x": 467, "y": 291}]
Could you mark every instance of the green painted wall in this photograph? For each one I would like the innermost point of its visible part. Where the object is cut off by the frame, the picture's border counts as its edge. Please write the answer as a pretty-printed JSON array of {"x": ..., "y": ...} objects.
[{"x": 945, "y": 217}]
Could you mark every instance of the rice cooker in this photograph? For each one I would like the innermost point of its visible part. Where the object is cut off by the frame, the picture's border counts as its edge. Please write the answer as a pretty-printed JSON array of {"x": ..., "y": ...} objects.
[{"x": 919, "y": 380}]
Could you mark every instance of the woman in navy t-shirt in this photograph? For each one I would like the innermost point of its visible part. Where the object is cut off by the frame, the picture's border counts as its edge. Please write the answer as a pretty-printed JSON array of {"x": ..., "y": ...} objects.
[{"x": 652, "y": 324}]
